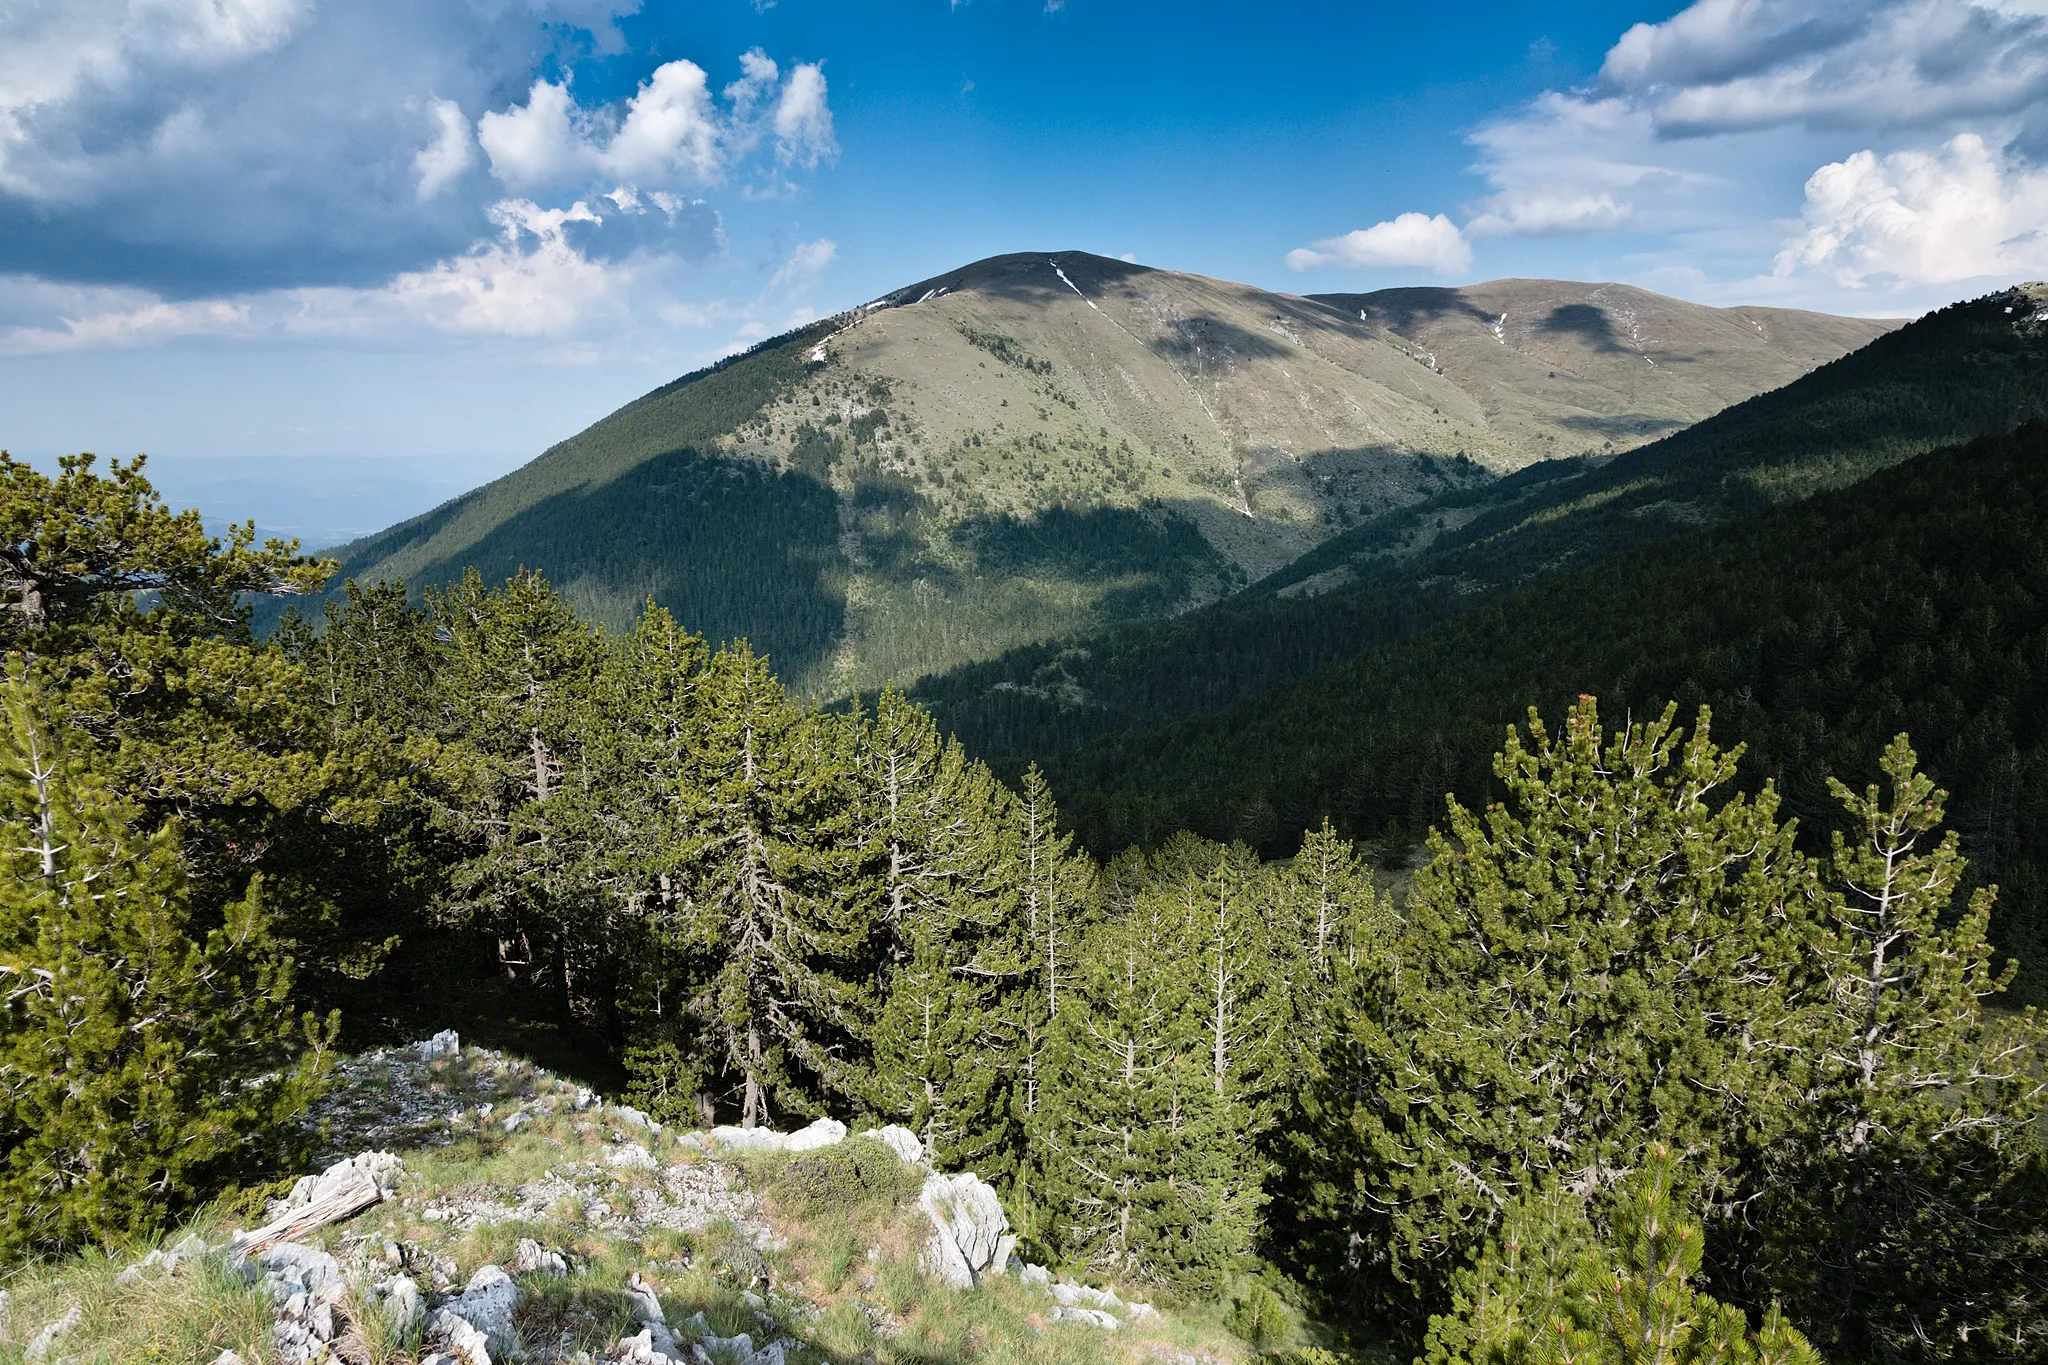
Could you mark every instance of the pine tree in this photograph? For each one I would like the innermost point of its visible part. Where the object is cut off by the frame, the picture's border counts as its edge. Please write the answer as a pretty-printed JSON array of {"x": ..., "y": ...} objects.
[
  {"x": 515, "y": 682},
  {"x": 932, "y": 1068},
  {"x": 939, "y": 834},
  {"x": 1902, "y": 1209},
  {"x": 769, "y": 896},
  {"x": 1550, "y": 1291},
  {"x": 147, "y": 1058},
  {"x": 1056, "y": 903},
  {"x": 1165, "y": 1056},
  {"x": 1581, "y": 968}
]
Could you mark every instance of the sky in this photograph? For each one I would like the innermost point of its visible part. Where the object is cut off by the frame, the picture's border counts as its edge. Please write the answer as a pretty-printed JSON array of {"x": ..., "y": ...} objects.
[{"x": 433, "y": 230}]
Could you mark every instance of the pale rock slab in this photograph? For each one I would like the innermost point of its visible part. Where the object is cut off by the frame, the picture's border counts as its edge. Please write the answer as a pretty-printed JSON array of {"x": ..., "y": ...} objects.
[
  {"x": 901, "y": 1141},
  {"x": 819, "y": 1133},
  {"x": 970, "y": 1232}
]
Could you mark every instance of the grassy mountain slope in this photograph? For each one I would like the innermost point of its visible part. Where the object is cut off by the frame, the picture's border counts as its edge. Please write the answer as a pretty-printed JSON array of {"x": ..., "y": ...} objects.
[
  {"x": 1029, "y": 446},
  {"x": 1564, "y": 368},
  {"x": 1968, "y": 370},
  {"x": 1916, "y": 600}
]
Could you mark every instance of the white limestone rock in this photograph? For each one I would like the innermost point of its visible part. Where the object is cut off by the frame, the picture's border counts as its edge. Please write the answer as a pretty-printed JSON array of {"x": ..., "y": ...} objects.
[
  {"x": 399, "y": 1298},
  {"x": 749, "y": 1139},
  {"x": 1088, "y": 1317},
  {"x": 630, "y": 1156},
  {"x": 40, "y": 1346},
  {"x": 901, "y": 1141},
  {"x": 819, "y": 1133},
  {"x": 485, "y": 1304},
  {"x": 534, "y": 1259},
  {"x": 446, "y": 1043},
  {"x": 970, "y": 1232},
  {"x": 458, "y": 1340}
]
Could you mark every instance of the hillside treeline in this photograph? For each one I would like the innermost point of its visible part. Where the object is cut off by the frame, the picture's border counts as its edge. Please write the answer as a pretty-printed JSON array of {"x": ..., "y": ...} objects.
[
  {"x": 1972, "y": 369},
  {"x": 1915, "y": 601},
  {"x": 1620, "y": 1001}
]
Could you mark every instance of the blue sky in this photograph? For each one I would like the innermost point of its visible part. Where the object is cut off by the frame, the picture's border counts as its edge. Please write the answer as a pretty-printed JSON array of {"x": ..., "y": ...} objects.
[{"x": 433, "y": 228}]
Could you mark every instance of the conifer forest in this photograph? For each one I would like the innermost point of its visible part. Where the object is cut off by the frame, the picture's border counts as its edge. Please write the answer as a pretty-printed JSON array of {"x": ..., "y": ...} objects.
[{"x": 1627, "y": 1043}]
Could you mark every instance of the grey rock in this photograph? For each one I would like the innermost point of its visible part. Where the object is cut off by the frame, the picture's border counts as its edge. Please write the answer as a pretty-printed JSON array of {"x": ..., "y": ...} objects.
[
  {"x": 749, "y": 1139},
  {"x": 229, "y": 1358},
  {"x": 970, "y": 1232},
  {"x": 534, "y": 1259},
  {"x": 635, "y": 1117},
  {"x": 818, "y": 1133},
  {"x": 516, "y": 1120},
  {"x": 399, "y": 1297},
  {"x": 901, "y": 1141},
  {"x": 446, "y": 1043},
  {"x": 1034, "y": 1274},
  {"x": 1088, "y": 1317},
  {"x": 486, "y": 1304},
  {"x": 1070, "y": 1295},
  {"x": 458, "y": 1339},
  {"x": 289, "y": 1268},
  {"x": 41, "y": 1344},
  {"x": 630, "y": 1156}
]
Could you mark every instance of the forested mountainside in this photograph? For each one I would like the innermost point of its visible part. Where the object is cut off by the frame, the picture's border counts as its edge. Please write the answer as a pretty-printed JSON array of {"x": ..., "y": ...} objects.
[
  {"x": 1914, "y": 601},
  {"x": 1036, "y": 445},
  {"x": 1633, "y": 1017},
  {"x": 1971, "y": 369}
]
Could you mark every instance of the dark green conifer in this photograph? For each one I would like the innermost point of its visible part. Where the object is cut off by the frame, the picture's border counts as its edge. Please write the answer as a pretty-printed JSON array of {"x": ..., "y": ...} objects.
[{"x": 148, "y": 1057}]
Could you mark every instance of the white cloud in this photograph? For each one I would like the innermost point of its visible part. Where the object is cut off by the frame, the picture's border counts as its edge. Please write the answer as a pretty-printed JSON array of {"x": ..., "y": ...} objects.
[
  {"x": 1548, "y": 213},
  {"x": 1962, "y": 212},
  {"x": 1410, "y": 241},
  {"x": 669, "y": 132},
  {"x": 449, "y": 154},
  {"x": 670, "y": 129},
  {"x": 803, "y": 122},
  {"x": 1701, "y": 130},
  {"x": 538, "y": 145},
  {"x": 808, "y": 259},
  {"x": 1724, "y": 65},
  {"x": 222, "y": 147}
]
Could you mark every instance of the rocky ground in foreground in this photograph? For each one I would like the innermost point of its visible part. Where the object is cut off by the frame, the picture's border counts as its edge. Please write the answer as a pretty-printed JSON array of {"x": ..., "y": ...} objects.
[{"x": 472, "y": 1208}]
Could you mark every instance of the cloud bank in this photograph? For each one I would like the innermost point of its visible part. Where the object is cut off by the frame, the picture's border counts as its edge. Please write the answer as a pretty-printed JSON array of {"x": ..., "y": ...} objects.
[
  {"x": 1904, "y": 136},
  {"x": 229, "y": 167}
]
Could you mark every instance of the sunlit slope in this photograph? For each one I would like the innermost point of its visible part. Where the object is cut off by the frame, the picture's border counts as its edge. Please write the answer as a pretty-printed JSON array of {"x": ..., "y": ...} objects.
[
  {"x": 1970, "y": 369},
  {"x": 1558, "y": 367},
  {"x": 1026, "y": 447}
]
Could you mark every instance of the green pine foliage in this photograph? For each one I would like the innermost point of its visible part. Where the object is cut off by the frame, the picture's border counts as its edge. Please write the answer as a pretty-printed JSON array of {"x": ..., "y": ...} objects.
[
  {"x": 1183, "y": 1067},
  {"x": 147, "y": 1057},
  {"x": 1550, "y": 1290},
  {"x": 1911, "y": 602}
]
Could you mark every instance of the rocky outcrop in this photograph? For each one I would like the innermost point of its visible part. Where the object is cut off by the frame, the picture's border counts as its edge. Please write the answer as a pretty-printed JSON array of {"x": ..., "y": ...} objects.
[
  {"x": 971, "y": 1234},
  {"x": 478, "y": 1321}
]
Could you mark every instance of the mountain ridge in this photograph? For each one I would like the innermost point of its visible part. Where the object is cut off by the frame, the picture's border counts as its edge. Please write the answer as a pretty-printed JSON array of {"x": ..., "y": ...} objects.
[{"x": 1023, "y": 447}]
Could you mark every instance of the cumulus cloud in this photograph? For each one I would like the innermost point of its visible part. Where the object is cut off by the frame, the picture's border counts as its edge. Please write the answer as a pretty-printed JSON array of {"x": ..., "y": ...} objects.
[
  {"x": 1410, "y": 241},
  {"x": 449, "y": 154},
  {"x": 1963, "y": 211},
  {"x": 1725, "y": 65},
  {"x": 212, "y": 147},
  {"x": 576, "y": 273},
  {"x": 1544, "y": 212},
  {"x": 1925, "y": 119},
  {"x": 803, "y": 122}
]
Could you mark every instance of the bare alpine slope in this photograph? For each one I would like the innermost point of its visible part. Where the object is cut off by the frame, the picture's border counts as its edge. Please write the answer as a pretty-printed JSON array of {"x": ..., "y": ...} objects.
[{"x": 1038, "y": 444}]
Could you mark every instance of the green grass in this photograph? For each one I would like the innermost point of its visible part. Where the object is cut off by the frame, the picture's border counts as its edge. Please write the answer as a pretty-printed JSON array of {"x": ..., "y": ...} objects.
[{"x": 843, "y": 1277}]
